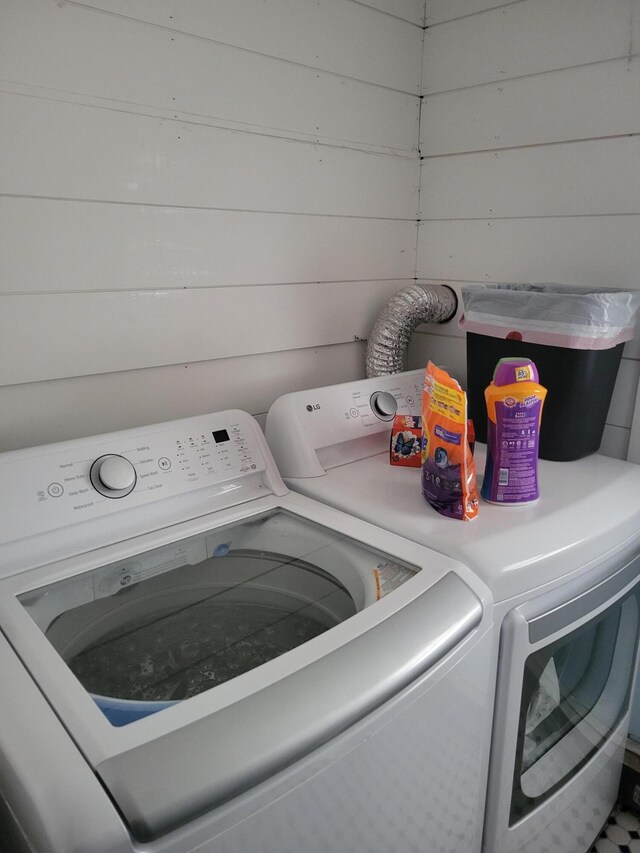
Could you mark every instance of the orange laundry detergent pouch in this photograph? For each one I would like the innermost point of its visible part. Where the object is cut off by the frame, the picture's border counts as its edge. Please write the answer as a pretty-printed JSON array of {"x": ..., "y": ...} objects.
[{"x": 448, "y": 469}]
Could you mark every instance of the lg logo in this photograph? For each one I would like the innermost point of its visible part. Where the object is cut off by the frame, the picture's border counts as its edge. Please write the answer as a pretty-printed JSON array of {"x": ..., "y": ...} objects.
[{"x": 313, "y": 407}]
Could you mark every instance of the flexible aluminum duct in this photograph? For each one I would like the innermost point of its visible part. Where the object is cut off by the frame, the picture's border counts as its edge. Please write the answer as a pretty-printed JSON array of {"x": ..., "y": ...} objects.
[{"x": 407, "y": 309}]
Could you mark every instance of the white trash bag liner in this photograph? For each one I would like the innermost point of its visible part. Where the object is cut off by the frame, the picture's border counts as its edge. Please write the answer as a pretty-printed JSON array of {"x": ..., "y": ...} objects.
[{"x": 553, "y": 314}]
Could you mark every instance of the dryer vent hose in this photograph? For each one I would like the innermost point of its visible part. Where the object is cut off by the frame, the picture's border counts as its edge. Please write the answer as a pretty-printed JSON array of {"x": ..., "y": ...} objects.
[{"x": 408, "y": 308}]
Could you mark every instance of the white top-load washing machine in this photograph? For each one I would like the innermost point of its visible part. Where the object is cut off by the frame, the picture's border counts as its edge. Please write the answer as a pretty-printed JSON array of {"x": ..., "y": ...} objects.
[
  {"x": 564, "y": 575},
  {"x": 193, "y": 658}
]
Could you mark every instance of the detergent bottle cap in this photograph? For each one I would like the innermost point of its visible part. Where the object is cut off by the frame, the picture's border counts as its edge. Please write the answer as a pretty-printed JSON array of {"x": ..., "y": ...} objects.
[{"x": 509, "y": 371}]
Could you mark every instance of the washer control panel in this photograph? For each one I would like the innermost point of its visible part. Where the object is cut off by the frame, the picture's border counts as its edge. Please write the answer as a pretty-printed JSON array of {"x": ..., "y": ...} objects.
[{"x": 60, "y": 484}]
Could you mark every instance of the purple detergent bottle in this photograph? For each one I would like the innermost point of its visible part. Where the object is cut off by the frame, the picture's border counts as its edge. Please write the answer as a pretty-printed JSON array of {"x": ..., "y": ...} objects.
[{"x": 514, "y": 410}]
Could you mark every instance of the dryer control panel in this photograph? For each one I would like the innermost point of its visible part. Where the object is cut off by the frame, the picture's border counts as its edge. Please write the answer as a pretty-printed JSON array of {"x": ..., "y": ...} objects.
[
  {"x": 50, "y": 487},
  {"x": 311, "y": 431}
]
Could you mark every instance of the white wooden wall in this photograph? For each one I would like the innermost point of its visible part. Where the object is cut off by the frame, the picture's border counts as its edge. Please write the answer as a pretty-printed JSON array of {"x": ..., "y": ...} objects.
[
  {"x": 206, "y": 204},
  {"x": 203, "y": 205},
  {"x": 530, "y": 133}
]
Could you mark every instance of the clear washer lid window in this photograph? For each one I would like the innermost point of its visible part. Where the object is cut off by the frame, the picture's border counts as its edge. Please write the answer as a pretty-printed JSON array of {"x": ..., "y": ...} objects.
[{"x": 165, "y": 625}]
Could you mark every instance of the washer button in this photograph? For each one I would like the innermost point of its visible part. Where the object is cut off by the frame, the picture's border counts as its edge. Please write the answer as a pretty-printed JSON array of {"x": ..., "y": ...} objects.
[
  {"x": 164, "y": 464},
  {"x": 55, "y": 490}
]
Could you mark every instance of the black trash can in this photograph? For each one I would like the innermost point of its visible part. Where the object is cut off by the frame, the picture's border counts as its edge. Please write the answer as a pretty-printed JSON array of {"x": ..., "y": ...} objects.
[{"x": 578, "y": 377}]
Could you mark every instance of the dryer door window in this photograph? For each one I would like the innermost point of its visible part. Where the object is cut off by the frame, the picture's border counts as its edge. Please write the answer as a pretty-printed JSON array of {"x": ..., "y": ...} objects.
[
  {"x": 165, "y": 625},
  {"x": 575, "y": 691}
]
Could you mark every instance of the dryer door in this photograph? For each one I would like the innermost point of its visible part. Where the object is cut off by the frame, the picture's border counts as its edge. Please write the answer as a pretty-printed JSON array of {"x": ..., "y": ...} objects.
[
  {"x": 575, "y": 691},
  {"x": 562, "y": 707}
]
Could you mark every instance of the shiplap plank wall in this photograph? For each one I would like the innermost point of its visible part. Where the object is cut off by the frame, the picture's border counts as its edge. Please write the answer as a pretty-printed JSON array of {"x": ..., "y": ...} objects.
[
  {"x": 198, "y": 387},
  {"x": 188, "y": 325},
  {"x": 386, "y": 51},
  {"x": 201, "y": 205},
  {"x": 530, "y": 133},
  {"x": 120, "y": 62},
  {"x": 141, "y": 247},
  {"x": 408, "y": 10},
  {"x": 525, "y": 38},
  {"x": 246, "y": 172}
]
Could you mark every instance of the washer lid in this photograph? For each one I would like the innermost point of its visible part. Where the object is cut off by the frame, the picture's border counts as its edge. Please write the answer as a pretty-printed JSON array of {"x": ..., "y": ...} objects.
[
  {"x": 220, "y": 755},
  {"x": 225, "y": 740},
  {"x": 168, "y": 624}
]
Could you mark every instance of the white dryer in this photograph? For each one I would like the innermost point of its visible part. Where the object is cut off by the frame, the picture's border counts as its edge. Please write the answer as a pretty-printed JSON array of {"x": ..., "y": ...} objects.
[
  {"x": 193, "y": 658},
  {"x": 564, "y": 576}
]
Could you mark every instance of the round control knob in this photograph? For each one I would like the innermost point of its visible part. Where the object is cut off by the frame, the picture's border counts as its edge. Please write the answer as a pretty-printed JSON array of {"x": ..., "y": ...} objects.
[
  {"x": 384, "y": 405},
  {"x": 113, "y": 476}
]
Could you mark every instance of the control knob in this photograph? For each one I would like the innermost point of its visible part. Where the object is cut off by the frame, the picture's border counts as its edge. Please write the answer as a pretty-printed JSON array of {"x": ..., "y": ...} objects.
[
  {"x": 113, "y": 476},
  {"x": 383, "y": 405}
]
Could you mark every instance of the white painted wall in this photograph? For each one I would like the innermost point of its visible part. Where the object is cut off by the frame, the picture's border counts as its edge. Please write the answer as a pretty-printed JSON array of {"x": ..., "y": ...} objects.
[
  {"x": 203, "y": 205},
  {"x": 530, "y": 133}
]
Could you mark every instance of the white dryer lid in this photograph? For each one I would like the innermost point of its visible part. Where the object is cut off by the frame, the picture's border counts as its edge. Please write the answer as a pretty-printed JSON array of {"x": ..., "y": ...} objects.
[{"x": 588, "y": 511}]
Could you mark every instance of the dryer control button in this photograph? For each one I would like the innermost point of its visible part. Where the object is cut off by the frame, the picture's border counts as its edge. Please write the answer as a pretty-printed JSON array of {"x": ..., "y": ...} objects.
[
  {"x": 113, "y": 476},
  {"x": 383, "y": 405}
]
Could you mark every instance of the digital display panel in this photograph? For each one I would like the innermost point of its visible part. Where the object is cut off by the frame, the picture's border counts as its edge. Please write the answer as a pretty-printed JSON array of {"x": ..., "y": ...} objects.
[{"x": 220, "y": 435}]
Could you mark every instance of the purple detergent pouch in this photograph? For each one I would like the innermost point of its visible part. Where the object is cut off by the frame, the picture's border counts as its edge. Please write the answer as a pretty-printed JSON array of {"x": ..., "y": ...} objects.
[{"x": 514, "y": 412}]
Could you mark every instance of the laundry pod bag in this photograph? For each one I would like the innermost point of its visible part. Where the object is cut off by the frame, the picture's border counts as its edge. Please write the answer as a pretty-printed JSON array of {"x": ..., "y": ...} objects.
[
  {"x": 574, "y": 335},
  {"x": 448, "y": 469}
]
